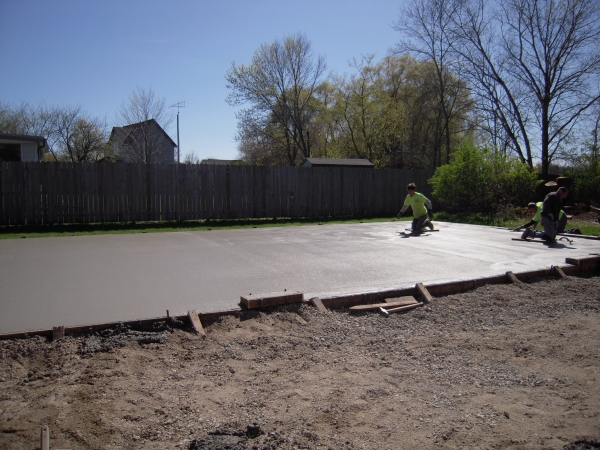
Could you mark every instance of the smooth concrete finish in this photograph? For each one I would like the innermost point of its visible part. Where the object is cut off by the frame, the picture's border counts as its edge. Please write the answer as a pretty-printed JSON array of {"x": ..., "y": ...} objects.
[{"x": 86, "y": 280}]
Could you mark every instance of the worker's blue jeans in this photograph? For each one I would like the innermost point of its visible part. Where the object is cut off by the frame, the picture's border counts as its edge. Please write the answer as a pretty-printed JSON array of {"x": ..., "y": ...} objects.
[{"x": 418, "y": 223}]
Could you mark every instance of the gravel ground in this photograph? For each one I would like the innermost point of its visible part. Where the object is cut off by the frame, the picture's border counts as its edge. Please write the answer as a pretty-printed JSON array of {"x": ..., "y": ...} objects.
[{"x": 500, "y": 367}]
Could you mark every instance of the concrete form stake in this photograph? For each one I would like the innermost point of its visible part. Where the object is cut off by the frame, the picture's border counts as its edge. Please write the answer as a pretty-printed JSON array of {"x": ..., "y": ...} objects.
[{"x": 45, "y": 438}]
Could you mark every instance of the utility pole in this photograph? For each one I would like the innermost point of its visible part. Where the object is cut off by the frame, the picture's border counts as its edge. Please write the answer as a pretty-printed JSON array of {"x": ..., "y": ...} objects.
[{"x": 178, "y": 105}]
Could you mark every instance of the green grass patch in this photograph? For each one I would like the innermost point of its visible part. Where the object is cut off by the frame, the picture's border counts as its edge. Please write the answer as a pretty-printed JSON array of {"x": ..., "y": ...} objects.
[{"x": 509, "y": 220}]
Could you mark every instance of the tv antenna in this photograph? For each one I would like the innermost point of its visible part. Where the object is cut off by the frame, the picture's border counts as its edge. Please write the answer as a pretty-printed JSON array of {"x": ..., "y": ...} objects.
[{"x": 178, "y": 105}]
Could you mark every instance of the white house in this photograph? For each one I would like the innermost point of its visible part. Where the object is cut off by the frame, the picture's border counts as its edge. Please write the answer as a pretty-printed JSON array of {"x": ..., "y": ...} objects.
[{"x": 17, "y": 147}]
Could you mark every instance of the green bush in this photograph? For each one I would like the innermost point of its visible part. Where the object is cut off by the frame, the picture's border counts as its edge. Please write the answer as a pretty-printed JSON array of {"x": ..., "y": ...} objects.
[
  {"x": 478, "y": 180},
  {"x": 587, "y": 189}
]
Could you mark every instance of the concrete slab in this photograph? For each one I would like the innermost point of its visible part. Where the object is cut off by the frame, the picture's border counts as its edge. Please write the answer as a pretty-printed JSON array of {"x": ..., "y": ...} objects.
[{"x": 85, "y": 280}]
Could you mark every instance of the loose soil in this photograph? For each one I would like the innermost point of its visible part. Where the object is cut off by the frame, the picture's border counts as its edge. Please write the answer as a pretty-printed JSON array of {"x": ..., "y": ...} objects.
[{"x": 500, "y": 367}]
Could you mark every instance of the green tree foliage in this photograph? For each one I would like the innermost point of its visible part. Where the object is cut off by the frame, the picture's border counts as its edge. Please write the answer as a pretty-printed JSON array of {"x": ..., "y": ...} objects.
[
  {"x": 479, "y": 180},
  {"x": 282, "y": 85},
  {"x": 368, "y": 119},
  {"x": 389, "y": 113},
  {"x": 586, "y": 167}
]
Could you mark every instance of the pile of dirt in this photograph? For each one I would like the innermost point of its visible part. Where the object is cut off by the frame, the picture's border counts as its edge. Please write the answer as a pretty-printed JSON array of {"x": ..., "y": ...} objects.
[
  {"x": 587, "y": 218},
  {"x": 502, "y": 367}
]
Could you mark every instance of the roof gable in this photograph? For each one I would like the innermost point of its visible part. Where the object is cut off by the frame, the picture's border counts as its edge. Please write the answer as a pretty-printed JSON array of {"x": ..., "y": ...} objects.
[{"x": 121, "y": 134}]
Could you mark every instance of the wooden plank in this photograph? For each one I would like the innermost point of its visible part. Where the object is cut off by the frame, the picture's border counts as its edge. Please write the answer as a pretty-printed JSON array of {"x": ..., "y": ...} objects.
[
  {"x": 400, "y": 309},
  {"x": 26, "y": 193},
  {"x": 77, "y": 193},
  {"x": 3, "y": 214},
  {"x": 581, "y": 261},
  {"x": 317, "y": 303},
  {"x": 404, "y": 298},
  {"x": 37, "y": 193},
  {"x": 512, "y": 277},
  {"x": 424, "y": 292},
  {"x": 250, "y": 302},
  {"x": 156, "y": 191},
  {"x": 196, "y": 324},
  {"x": 400, "y": 301}
]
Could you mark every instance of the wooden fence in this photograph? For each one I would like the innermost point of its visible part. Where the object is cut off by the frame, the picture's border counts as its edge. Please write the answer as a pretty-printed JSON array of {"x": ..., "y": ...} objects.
[{"x": 56, "y": 193}]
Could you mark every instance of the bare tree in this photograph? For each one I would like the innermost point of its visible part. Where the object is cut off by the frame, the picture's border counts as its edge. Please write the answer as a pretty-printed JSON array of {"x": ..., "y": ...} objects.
[
  {"x": 191, "y": 158},
  {"x": 281, "y": 85},
  {"x": 534, "y": 66},
  {"x": 140, "y": 115},
  {"x": 29, "y": 120},
  {"x": 427, "y": 27},
  {"x": 71, "y": 134},
  {"x": 88, "y": 141}
]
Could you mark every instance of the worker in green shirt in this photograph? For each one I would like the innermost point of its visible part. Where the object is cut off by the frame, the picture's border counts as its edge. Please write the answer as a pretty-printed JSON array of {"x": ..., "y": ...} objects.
[
  {"x": 421, "y": 208},
  {"x": 536, "y": 210}
]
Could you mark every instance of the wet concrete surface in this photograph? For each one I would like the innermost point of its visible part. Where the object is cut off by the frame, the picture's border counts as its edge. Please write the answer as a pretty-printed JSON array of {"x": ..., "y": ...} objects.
[{"x": 85, "y": 280}]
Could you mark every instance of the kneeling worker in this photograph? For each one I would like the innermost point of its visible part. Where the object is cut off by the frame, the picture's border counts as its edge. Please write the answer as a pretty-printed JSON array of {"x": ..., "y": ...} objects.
[
  {"x": 421, "y": 207},
  {"x": 530, "y": 227},
  {"x": 553, "y": 218}
]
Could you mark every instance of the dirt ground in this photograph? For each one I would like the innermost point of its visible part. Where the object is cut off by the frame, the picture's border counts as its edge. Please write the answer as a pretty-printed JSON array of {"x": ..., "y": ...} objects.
[{"x": 500, "y": 367}]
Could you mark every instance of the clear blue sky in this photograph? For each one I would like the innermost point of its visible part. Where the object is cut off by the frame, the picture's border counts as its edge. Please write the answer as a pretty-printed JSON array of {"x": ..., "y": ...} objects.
[{"x": 94, "y": 53}]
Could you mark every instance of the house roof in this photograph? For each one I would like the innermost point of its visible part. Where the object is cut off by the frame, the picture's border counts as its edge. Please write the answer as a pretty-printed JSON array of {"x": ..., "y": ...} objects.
[
  {"x": 121, "y": 134},
  {"x": 220, "y": 161},
  {"x": 338, "y": 162},
  {"x": 22, "y": 138}
]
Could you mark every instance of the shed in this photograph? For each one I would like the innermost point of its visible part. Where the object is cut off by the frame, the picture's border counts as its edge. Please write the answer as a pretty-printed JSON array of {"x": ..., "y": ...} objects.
[
  {"x": 335, "y": 162},
  {"x": 21, "y": 147},
  {"x": 223, "y": 162}
]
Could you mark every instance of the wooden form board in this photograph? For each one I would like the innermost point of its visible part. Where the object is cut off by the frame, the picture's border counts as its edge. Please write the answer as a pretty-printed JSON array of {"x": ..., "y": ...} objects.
[
  {"x": 390, "y": 303},
  {"x": 582, "y": 261},
  {"x": 586, "y": 263},
  {"x": 252, "y": 301}
]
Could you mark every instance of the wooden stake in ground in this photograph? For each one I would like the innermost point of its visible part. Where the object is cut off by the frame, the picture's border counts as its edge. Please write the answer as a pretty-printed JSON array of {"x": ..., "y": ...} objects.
[
  {"x": 395, "y": 303},
  {"x": 424, "y": 293},
  {"x": 512, "y": 277},
  {"x": 559, "y": 271},
  {"x": 45, "y": 438},
  {"x": 196, "y": 324},
  {"x": 316, "y": 302},
  {"x": 58, "y": 332}
]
